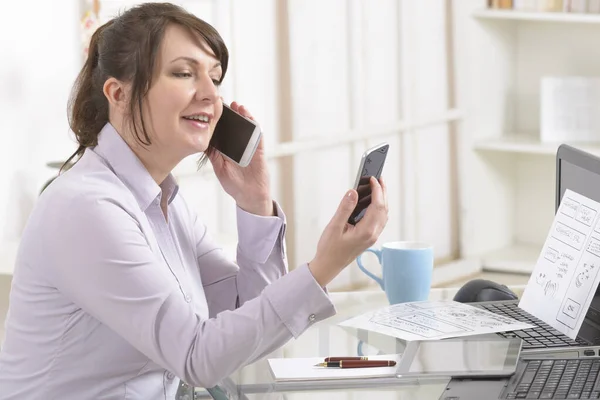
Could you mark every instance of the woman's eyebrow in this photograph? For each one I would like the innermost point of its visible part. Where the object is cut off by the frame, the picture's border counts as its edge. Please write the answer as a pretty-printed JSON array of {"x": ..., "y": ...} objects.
[
  {"x": 195, "y": 61},
  {"x": 188, "y": 59}
]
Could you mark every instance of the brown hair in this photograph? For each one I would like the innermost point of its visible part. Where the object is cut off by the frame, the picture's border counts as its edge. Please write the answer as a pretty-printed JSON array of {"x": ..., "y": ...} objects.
[{"x": 126, "y": 48}]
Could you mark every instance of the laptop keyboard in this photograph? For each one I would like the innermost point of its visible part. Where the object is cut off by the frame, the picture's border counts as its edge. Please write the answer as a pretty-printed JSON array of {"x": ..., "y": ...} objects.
[
  {"x": 559, "y": 379},
  {"x": 540, "y": 337}
]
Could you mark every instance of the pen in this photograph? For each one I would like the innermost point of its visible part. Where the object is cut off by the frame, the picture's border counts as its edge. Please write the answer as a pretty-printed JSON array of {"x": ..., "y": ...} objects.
[
  {"x": 330, "y": 359},
  {"x": 357, "y": 364}
]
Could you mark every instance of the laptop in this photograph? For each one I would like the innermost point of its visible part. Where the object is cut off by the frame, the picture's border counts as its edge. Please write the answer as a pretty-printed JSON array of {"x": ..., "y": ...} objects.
[
  {"x": 580, "y": 172},
  {"x": 553, "y": 375}
]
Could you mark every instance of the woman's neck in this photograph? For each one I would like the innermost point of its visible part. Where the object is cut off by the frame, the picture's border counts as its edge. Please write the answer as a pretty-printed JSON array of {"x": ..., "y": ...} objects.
[{"x": 155, "y": 161}]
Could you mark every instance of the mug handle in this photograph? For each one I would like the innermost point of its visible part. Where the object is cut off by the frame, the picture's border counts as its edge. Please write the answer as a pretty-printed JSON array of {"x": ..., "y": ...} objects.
[{"x": 368, "y": 273}]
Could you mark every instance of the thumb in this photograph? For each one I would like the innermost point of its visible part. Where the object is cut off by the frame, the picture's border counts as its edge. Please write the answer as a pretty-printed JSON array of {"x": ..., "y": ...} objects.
[{"x": 345, "y": 209}]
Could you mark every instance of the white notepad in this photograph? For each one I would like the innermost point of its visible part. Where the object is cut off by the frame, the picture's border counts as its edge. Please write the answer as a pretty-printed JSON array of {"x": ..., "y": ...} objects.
[{"x": 295, "y": 369}]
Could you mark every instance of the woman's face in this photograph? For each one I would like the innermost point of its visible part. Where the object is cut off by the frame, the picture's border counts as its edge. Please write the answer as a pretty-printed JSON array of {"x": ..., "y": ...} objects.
[{"x": 183, "y": 105}]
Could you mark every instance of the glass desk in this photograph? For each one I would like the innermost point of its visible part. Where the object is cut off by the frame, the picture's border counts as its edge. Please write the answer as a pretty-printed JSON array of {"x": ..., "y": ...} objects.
[{"x": 324, "y": 339}]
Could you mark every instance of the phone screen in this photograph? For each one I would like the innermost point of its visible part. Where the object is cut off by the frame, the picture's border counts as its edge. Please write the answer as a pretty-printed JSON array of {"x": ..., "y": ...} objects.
[
  {"x": 232, "y": 134},
  {"x": 372, "y": 166}
]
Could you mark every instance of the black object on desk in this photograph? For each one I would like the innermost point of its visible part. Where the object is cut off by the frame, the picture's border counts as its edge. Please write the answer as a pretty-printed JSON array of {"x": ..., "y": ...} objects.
[{"x": 479, "y": 290}]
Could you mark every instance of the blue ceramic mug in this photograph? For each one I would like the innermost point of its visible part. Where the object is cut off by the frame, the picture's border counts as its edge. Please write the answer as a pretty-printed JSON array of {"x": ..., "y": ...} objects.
[{"x": 407, "y": 269}]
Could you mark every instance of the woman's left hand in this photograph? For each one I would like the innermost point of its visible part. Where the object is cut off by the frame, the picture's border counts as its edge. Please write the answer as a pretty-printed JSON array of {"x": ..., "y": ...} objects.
[{"x": 249, "y": 186}]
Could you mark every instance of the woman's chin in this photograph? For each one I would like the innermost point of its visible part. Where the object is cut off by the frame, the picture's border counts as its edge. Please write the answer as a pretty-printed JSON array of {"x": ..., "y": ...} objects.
[
  {"x": 192, "y": 150},
  {"x": 197, "y": 144}
]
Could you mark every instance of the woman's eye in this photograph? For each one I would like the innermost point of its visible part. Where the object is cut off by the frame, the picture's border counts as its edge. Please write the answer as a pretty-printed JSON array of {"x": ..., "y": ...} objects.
[
  {"x": 182, "y": 74},
  {"x": 216, "y": 82}
]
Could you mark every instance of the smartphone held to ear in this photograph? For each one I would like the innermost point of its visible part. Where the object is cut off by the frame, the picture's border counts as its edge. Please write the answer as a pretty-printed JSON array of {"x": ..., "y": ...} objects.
[
  {"x": 371, "y": 164},
  {"x": 236, "y": 137}
]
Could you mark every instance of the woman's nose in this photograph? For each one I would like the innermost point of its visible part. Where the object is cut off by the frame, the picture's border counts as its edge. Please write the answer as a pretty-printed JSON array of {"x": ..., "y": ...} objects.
[{"x": 206, "y": 90}]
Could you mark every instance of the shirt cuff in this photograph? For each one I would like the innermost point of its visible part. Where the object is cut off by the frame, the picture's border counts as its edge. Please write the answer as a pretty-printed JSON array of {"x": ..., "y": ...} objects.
[
  {"x": 299, "y": 301},
  {"x": 257, "y": 235}
]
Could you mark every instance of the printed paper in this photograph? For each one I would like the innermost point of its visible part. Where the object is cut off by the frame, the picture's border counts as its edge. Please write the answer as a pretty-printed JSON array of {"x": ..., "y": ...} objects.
[
  {"x": 565, "y": 277},
  {"x": 433, "y": 320}
]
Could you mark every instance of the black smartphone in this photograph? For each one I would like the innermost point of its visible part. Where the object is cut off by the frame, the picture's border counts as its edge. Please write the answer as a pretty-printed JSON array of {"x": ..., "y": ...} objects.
[
  {"x": 371, "y": 164},
  {"x": 236, "y": 137}
]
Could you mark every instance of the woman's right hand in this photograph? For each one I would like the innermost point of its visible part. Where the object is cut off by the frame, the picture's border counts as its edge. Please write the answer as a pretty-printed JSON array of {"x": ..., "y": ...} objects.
[{"x": 341, "y": 242}]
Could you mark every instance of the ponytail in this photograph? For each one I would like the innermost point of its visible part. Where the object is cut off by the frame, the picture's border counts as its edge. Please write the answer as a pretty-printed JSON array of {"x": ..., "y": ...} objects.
[{"x": 88, "y": 107}]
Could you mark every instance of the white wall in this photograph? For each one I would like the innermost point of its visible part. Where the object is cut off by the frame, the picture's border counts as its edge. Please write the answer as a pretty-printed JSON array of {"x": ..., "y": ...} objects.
[
  {"x": 361, "y": 68},
  {"x": 38, "y": 64}
]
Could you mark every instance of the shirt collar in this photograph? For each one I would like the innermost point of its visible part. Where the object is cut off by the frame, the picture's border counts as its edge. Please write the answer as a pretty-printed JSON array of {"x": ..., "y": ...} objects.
[{"x": 130, "y": 170}]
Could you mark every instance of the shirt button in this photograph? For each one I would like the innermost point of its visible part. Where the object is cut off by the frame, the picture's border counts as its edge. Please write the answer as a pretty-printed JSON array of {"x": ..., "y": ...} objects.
[
  {"x": 312, "y": 318},
  {"x": 170, "y": 376},
  {"x": 187, "y": 298}
]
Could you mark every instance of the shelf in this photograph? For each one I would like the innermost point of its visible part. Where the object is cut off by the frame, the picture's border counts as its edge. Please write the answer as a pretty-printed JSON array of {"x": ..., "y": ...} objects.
[
  {"x": 527, "y": 144},
  {"x": 533, "y": 16},
  {"x": 518, "y": 258}
]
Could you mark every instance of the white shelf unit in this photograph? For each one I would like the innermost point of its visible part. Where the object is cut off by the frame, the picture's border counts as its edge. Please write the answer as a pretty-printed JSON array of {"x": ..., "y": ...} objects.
[
  {"x": 508, "y": 175},
  {"x": 532, "y": 16},
  {"x": 528, "y": 144}
]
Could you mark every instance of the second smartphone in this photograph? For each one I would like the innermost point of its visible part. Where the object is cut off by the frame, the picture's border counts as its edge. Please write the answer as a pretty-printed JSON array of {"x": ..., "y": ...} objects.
[
  {"x": 371, "y": 164},
  {"x": 236, "y": 137}
]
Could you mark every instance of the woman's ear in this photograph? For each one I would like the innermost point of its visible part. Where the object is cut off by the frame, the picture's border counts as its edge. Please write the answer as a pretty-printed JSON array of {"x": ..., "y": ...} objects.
[{"x": 116, "y": 93}]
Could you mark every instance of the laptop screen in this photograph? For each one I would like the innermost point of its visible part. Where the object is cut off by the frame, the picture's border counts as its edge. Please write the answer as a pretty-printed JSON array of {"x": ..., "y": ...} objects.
[
  {"x": 579, "y": 180},
  {"x": 580, "y": 172}
]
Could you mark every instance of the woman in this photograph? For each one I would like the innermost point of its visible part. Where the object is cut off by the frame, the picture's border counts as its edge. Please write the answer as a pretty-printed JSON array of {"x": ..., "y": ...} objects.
[{"x": 118, "y": 287}]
